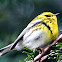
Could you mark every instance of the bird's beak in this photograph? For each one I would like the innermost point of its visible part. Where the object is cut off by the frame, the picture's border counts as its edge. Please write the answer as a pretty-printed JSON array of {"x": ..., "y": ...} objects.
[{"x": 56, "y": 14}]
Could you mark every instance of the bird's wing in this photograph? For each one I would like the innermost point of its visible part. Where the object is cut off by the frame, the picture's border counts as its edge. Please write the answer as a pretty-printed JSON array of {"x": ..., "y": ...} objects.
[{"x": 24, "y": 31}]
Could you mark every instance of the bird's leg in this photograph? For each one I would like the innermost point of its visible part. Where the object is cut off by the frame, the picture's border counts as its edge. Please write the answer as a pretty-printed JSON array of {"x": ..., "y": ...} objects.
[{"x": 41, "y": 50}]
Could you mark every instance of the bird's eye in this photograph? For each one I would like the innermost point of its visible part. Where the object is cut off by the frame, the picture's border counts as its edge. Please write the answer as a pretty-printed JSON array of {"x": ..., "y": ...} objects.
[{"x": 48, "y": 15}]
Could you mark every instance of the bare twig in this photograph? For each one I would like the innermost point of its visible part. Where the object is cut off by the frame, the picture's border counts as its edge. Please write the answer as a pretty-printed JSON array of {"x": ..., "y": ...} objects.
[
  {"x": 43, "y": 58},
  {"x": 46, "y": 49}
]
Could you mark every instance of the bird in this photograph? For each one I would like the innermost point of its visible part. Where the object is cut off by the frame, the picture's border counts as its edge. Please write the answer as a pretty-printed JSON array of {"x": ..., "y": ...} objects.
[{"x": 39, "y": 33}]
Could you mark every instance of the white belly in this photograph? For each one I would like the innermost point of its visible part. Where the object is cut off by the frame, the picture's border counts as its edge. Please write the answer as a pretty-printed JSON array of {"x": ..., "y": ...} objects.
[{"x": 35, "y": 39}]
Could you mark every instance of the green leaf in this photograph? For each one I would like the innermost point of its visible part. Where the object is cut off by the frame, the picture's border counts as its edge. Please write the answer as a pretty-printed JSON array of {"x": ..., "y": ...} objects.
[{"x": 28, "y": 49}]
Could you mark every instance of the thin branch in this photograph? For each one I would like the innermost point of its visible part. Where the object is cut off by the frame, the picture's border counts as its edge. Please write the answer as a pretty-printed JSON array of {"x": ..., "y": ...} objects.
[
  {"x": 46, "y": 49},
  {"x": 44, "y": 58}
]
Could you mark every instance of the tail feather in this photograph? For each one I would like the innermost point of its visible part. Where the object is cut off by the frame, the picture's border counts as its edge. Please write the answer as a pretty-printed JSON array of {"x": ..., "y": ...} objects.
[{"x": 5, "y": 49}]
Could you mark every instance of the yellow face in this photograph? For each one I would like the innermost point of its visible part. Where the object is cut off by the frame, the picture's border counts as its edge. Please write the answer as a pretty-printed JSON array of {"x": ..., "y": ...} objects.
[
  {"x": 46, "y": 15},
  {"x": 49, "y": 15}
]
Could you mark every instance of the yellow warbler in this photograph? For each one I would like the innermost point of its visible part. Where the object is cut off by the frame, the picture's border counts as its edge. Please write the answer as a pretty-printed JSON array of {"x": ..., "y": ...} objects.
[{"x": 40, "y": 32}]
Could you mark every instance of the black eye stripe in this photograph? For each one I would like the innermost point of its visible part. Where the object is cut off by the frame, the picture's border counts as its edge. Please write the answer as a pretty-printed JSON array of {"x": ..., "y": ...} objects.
[{"x": 48, "y": 15}]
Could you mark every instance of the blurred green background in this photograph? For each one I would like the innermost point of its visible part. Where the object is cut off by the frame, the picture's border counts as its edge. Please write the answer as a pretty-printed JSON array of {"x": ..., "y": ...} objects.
[{"x": 14, "y": 17}]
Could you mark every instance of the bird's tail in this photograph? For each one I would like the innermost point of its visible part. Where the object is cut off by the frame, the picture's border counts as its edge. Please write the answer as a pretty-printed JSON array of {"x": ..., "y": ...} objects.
[{"x": 5, "y": 50}]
